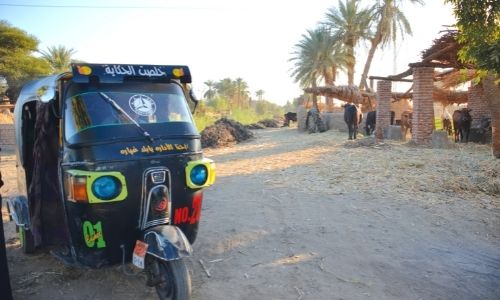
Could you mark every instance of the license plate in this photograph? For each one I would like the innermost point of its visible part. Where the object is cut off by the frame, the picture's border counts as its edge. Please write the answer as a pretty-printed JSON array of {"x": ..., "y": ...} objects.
[{"x": 139, "y": 254}]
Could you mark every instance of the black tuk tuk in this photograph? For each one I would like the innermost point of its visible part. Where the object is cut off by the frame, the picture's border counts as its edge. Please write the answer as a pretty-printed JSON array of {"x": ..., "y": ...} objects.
[{"x": 110, "y": 169}]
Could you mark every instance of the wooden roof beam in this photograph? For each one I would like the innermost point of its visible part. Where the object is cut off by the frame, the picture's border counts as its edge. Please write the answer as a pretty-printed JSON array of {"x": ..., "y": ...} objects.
[{"x": 390, "y": 78}]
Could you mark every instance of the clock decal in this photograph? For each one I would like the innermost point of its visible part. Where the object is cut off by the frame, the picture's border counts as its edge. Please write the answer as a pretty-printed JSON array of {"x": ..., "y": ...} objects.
[{"x": 142, "y": 105}]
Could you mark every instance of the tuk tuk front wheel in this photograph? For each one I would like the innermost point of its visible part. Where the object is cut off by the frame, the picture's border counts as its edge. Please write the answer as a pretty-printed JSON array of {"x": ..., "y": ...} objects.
[
  {"x": 171, "y": 278},
  {"x": 26, "y": 239}
]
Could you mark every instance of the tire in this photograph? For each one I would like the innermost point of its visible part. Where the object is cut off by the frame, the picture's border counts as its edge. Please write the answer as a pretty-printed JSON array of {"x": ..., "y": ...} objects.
[
  {"x": 174, "y": 281},
  {"x": 26, "y": 239}
]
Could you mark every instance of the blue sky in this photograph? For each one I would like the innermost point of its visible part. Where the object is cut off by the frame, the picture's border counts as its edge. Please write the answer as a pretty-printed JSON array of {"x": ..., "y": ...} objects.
[{"x": 216, "y": 39}]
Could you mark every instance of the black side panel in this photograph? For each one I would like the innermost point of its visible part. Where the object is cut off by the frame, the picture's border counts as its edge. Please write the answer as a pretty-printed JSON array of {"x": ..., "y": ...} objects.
[
  {"x": 28, "y": 135},
  {"x": 45, "y": 204}
]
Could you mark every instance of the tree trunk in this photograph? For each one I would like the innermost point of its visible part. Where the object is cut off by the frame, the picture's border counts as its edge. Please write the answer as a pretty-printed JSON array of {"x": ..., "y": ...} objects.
[
  {"x": 492, "y": 94},
  {"x": 350, "y": 73},
  {"x": 314, "y": 96},
  {"x": 351, "y": 64},
  {"x": 329, "y": 80},
  {"x": 375, "y": 42}
]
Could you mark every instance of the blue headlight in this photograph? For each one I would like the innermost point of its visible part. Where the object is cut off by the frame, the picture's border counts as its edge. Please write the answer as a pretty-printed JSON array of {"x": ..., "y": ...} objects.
[
  {"x": 199, "y": 175},
  {"x": 106, "y": 187}
]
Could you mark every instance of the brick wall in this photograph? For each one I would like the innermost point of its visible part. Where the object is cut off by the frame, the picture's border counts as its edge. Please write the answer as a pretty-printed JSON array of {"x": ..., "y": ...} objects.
[
  {"x": 479, "y": 105},
  {"x": 7, "y": 136},
  {"x": 423, "y": 109},
  {"x": 383, "y": 120},
  {"x": 492, "y": 95}
]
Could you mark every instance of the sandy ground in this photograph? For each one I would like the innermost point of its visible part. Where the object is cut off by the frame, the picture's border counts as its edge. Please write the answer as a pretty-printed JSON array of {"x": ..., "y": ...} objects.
[{"x": 313, "y": 216}]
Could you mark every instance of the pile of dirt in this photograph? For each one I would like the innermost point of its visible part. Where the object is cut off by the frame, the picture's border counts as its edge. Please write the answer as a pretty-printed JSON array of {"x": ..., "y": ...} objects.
[
  {"x": 267, "y": 123},
  {"x": 255, "y": 126},
  {"x": 271, "y": 123},
  {"x": 224, "y": 132}
]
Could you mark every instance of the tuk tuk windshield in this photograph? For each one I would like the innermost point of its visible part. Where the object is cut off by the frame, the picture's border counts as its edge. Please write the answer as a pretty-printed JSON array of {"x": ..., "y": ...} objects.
[{"x": 108, "y": 106}]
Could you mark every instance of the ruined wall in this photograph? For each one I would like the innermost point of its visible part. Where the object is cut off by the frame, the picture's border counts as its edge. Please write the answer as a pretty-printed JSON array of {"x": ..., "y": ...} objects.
[{"x": 479, "y": 105}]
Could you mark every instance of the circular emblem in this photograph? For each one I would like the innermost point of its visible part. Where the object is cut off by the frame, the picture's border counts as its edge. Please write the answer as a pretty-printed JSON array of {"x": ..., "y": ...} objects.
[{"x": 142, "y": 105}]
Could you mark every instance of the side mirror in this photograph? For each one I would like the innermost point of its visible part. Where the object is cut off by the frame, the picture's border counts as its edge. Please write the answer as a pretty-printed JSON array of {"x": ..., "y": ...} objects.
[{"x": 193, "y": 99}]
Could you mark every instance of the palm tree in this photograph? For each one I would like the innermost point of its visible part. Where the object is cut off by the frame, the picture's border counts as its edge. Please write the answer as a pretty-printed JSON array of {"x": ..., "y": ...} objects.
[
  {"x": 304, "y": 70},
  {"x": 334, "y": 59},
  {"x": 351, "y": 24},
  {"x": 226, "y": 89},
  {"x": 317, "y": 56},
  {"x": 259, "y": 94},
  {"x": 58, "y": 57},
  {"x": 241, "y": 90},
  {"x": 389, "y": 18},
  {"x": 211, "y": 89}
]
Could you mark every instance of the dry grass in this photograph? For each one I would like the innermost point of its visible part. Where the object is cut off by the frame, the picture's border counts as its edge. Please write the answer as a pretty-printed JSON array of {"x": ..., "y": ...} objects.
[{"x": 329, "y": 164}]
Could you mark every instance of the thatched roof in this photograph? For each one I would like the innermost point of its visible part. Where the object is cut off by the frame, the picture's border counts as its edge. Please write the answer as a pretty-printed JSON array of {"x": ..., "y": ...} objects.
[
  {"x": 444, "y": 51},
  {"x": 444, "y": 96},
  {"x": 447, "y": 97},
  {"x": 454, "y": 77}
]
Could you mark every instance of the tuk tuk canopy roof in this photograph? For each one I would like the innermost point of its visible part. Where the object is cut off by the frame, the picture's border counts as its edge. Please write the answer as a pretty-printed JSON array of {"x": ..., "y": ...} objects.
[
  {"x": 117, "y": 73},
  {"x": 44, "y": 89}
]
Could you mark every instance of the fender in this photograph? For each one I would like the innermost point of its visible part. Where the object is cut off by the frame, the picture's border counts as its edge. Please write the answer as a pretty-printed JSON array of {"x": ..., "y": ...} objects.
[
  {"x": 18, "y": 208},
  {"x": 167, "y": 242}
]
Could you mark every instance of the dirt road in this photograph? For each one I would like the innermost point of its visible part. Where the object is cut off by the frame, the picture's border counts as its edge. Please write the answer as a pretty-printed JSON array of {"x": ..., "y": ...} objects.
[{"x": 299, "y": 216}]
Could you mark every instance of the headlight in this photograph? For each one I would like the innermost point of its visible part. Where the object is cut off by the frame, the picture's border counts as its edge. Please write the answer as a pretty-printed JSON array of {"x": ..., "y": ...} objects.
[
  {"x": 106, "y": 187},
  {"x": 199, "y": 175},
  {"x": 94, "y": 186}
]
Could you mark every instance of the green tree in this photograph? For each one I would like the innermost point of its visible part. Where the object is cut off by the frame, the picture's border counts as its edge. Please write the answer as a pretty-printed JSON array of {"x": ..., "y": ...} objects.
[
  {"x": 351, "y": 24},
  {"x": 59, "y": 58},
  {"x": 388, "y": 18},
  {"x": 317, "y": 56},
  {"x": 259, "y": 94},
  {"x": 478, "y": 23},
  {"x": 241, "y": 91},
  {"x": 226, "y": 89},
  {"x": 332, "y": 58},
  {"x": 235, "y": 91},
  {"x": 17, "y": 63},
  {"x": 211, "y": 89}
]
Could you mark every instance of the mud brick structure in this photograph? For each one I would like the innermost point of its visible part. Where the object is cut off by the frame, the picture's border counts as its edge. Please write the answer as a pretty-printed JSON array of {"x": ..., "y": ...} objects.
[
  {"x": 384, "y": 95},
  {"x": 479, "y": 105},
  {"x": 423, "y": 109}
]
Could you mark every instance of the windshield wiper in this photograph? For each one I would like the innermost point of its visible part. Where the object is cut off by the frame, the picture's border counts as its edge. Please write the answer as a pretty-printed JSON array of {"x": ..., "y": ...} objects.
[{"x": 120, "y": 109}]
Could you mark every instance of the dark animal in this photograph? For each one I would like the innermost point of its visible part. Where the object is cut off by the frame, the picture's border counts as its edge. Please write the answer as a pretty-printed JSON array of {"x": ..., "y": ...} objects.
[
  {"x": 461, "y": 123},
  {"x": 352, "y": 117},
  {"x": 406, "y": 123},
  {"x": 289, "y": 117},
  {"x": 371, "y": 120},
  {"x": 447, "y": 126}
]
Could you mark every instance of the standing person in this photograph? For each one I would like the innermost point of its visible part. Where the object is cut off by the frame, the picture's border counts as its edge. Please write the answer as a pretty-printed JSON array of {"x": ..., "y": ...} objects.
[{"x": 5, "y": 291}]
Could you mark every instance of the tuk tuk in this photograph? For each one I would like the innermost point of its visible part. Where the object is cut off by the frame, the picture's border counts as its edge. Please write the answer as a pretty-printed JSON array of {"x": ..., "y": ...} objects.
[{"x": 110, "y": 169}]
